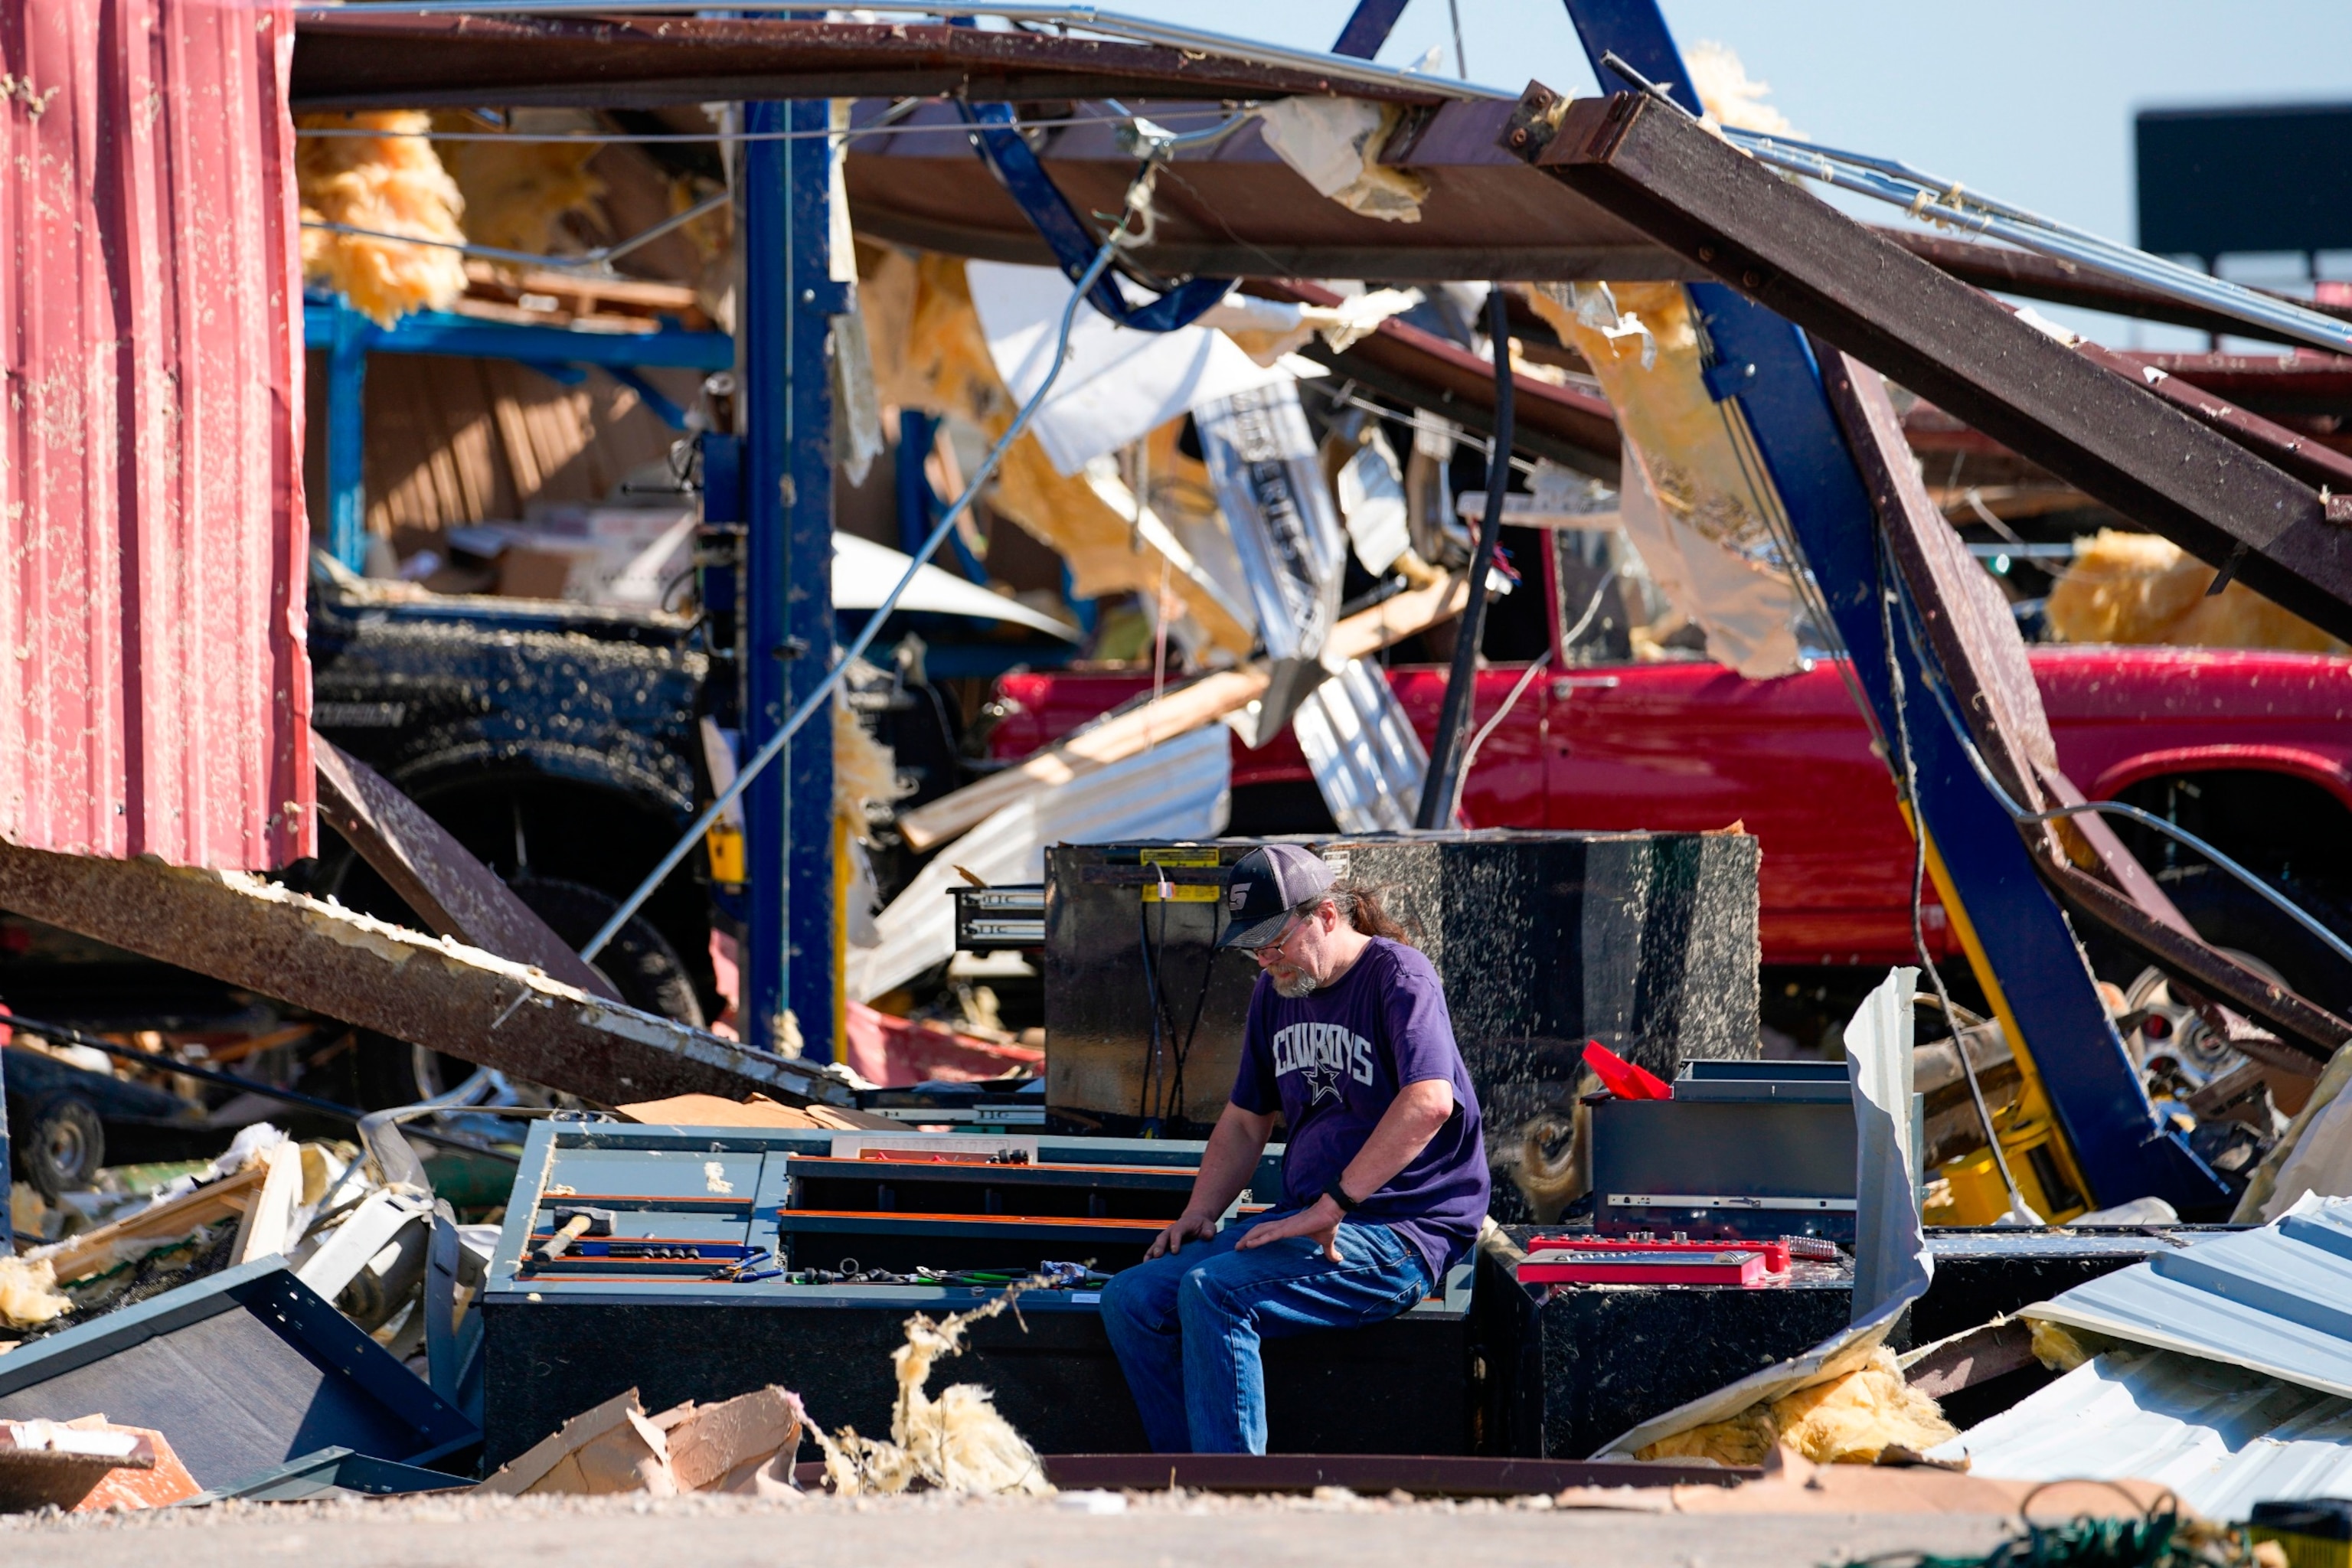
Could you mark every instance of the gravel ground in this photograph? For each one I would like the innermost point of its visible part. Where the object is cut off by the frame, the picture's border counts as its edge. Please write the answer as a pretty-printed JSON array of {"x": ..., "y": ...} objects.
[{"x": 1083, "y": 1529}]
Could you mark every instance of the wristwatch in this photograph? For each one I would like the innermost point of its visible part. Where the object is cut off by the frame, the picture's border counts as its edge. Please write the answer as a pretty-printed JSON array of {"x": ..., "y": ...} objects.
[{"x": 1339, "y": 1194}]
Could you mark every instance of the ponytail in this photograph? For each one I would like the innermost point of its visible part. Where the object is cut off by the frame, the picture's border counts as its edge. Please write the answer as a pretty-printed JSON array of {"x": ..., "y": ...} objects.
[{"x": 1363, "y": 908}]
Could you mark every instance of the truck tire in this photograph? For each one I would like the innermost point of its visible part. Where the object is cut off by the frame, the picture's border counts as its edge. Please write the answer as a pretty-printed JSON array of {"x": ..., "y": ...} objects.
[{"x": 64, "y": 1146}]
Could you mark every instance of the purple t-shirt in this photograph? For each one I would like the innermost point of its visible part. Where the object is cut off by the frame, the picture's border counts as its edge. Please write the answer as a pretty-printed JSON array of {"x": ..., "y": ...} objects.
[{"x": 1331, "y": 1062}]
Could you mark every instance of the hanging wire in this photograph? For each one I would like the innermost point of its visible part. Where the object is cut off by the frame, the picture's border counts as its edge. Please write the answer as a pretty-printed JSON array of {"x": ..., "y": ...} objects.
[
  {"x": 2284, "y": 905},
  {"x": 2019, "y": 1209},
  {"x": 601, "y": 256},
  {"x": 1947, "y": 205},
  {"x": 823, "y": 693}
]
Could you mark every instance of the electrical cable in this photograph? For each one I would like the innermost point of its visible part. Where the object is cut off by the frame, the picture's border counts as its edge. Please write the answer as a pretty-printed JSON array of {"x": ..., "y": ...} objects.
[
  {"x": 1527, "y": 678},
  {"x": 1461, "y": 683},
  {"x": 601, "y": 255},
  {"x": 2279, "y": 900},
  {"x": 775, "y": 744},
  {"x": 2019, "y": 1209}
]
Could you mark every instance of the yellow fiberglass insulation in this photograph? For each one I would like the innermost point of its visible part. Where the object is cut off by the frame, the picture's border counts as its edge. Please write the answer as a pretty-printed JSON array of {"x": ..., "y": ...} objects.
[
  {"x": 1847, "y": 1420},
  {"x": 388, "y": 183},
  {"x": 516, "y": 193},
  {"x": 2139, "y": 588},
  {"x": 865, "y": 771},
  {"x": 28, "y": 1293},
  {"x": 1712, "y": 545},
  {"x": 930, "y": 354},
  {"x": 955, "y": 1443}
]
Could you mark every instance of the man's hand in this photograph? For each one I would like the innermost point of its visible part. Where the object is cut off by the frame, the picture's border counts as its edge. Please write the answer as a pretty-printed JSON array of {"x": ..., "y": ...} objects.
[
  {"x": 1319, "y": 1222},
  {"x": 1188, "y": 1226}
]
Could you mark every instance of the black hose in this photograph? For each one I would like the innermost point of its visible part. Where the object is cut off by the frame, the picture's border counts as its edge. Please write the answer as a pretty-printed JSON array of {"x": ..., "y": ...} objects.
[{"x": 1462, "y": 683}]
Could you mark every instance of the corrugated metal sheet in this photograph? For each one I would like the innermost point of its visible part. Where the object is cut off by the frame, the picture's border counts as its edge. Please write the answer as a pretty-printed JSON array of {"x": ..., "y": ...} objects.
[
  {"x": 2276, "y": 1300},
  {"x": 1367, "y": 761},
  {"x": 2223, "y": 1437},
  {"x": 154, "y": 699},
  {"x": 1180, "y": 789}
]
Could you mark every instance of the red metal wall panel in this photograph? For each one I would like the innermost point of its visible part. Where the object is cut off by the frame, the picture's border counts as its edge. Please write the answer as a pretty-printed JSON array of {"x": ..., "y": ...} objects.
[{"x": 154, "y": 689}]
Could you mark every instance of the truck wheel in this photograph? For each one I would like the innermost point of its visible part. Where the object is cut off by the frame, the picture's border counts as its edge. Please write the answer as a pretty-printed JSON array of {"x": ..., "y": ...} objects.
[
  {"x": 640, "y": 961},
  {"x": 64, "y": 1147}
]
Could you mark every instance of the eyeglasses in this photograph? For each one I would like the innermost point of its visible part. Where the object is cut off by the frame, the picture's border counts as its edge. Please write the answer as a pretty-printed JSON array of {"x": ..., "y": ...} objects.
[{"x": 1289, "y": 927}]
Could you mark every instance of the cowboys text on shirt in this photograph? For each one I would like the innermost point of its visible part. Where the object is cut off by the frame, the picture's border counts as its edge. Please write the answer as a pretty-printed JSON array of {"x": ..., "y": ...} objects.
[{"x": 1325, "y": 1053}]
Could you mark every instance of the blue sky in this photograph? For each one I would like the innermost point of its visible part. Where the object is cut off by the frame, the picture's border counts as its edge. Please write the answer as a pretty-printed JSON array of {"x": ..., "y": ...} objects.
[{"x": 2032, "y": 102}]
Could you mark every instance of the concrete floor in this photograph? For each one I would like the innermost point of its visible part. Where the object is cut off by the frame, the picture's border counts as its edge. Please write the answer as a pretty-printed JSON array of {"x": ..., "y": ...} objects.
[{"x": 1080, "y": 1531}]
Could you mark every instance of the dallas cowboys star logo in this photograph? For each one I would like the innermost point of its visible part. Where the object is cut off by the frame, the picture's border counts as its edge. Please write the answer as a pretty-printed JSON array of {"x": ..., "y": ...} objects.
[{"x": 1323, "y": 1077}]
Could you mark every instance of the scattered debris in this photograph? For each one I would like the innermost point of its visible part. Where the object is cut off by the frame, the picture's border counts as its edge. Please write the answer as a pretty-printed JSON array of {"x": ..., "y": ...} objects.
[{"x": 955, "y": 1443}]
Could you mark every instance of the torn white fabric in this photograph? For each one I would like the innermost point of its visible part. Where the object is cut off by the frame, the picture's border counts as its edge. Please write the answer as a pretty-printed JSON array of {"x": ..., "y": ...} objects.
[
  {"x": 1334, "y": 145},
  {"x": 1371, "y": 500},
  {"x": 857, "y": 411},
  {"x": 1270, "y": 329},
  {"x": 1119, "y": 384},
  {"x": 1891, "y": 1261}
]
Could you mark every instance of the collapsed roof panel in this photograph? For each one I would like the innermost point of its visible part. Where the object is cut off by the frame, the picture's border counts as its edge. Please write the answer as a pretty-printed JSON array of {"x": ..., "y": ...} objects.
[
  {"x": 346, "y": 58},
  {"x": 1811, "y": 263},
  {"x": 1236, "y": 209}
]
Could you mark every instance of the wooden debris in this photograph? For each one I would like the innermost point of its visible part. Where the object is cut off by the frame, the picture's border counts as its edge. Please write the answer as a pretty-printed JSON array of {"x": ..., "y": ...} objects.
[
  {"x": 96, "y": 1251},
  {"x": 268, "y": 1228},
  {"x": 1202, "y": 702},
  {"x": 759, "y": 1110}
]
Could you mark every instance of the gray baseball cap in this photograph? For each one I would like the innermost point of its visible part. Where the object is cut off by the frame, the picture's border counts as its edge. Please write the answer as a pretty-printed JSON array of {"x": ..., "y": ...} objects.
[{"x": 1264, "y": 886}]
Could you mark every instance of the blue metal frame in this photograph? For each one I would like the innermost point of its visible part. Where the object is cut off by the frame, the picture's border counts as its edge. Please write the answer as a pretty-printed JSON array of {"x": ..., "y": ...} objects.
[
  {"x": 789, "y": 295},
  {"x": 347, "y": 338},
  {"x": 1764, "y": 367}
]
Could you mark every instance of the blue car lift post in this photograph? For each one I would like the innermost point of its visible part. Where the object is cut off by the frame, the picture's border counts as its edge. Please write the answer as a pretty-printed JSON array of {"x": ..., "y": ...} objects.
[
  {"x": 775, "y": 477},
  {"x": 784, "y": 424},
  {"x": 2017, "y": 938}
]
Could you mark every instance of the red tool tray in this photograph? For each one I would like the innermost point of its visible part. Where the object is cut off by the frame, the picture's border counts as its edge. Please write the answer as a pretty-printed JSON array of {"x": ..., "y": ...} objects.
[
  {"x": 1587, "y": 1266},
  {"x": 1776, "y": 1253}
]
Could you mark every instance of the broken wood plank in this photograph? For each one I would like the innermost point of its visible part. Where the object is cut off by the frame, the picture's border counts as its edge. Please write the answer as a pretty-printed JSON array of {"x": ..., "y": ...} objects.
[
  {"x": 452, "y": 892},
  {"x": 431, "y": 992},
  {"x": 92, "y": 1252},
  {"x": 268, "y": 1223},
  {"x": 1202, "y": 702}
]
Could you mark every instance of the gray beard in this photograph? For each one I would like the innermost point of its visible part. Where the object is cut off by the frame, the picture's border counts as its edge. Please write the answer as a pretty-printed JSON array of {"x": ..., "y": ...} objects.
[{"x": 1294, "y": 989}]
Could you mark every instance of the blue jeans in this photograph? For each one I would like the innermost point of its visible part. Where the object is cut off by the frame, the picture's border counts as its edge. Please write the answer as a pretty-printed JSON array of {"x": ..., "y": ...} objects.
[{"x": 1186, "y": 1326}]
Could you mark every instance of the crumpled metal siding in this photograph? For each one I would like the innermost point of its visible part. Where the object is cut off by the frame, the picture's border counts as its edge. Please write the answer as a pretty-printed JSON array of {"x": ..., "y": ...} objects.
[
  {"x": 2222, "y": 1437},
  {"x": 2276, "y": 1300},
  {"x": 154, "y": 689}
]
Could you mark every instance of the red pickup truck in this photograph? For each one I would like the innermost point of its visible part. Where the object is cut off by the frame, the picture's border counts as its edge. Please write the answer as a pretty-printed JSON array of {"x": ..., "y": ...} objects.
[{"x": 2251, "y": 750}]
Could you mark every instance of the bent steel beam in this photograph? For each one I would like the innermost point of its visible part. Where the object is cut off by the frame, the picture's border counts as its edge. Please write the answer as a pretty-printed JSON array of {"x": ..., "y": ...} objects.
[
  {"x": 1765, "y": 379},
  {"x": 434, "y": 992},
  {"x": 1789, "y": 251},
  {"x": 435, "y": 875}
]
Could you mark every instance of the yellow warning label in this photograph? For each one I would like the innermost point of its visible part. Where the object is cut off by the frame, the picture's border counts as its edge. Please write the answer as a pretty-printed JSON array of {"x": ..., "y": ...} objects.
[{"x": 1181, "y": 892}]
